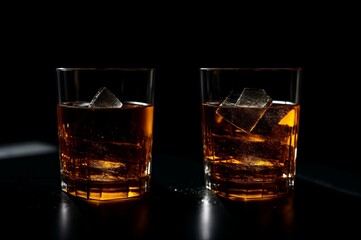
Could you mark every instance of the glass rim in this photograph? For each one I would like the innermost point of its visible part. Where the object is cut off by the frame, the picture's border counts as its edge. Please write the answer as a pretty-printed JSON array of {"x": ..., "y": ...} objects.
[
  {"x": 252, "y": 68},
  {"x": 66, "y": 69}
]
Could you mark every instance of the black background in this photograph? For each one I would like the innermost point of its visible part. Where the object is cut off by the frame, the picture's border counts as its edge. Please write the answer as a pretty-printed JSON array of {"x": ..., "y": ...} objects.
[{"x": 35, "y": 44}]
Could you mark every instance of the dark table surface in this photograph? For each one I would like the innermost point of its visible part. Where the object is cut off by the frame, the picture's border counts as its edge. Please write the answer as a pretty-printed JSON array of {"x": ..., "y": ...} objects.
[{"x": 178, "y": 207}]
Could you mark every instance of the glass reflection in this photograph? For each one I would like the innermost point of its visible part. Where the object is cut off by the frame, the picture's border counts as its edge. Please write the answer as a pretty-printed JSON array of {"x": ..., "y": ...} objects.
[{"x": 205, "y": 217}]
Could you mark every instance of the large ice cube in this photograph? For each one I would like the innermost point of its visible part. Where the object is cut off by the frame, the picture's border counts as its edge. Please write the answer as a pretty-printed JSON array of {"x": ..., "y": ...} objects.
[
  {"x": 104, "y": 98},
  {"x": 246, "y": 109},
  {"x": 271, "y": 122}
]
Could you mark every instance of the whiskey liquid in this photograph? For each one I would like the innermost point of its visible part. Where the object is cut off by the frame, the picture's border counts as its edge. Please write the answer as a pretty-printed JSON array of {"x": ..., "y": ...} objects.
[
  {"x": 252, "y": 165},
  {"x": 105, "y": 153}
]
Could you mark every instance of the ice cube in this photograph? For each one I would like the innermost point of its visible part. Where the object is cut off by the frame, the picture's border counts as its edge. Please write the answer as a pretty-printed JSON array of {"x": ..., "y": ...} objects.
[
  {"x": 271, "y": 120},
  {"x": 246, "y": 109},
  {"x": 254, "y": 98},
  {"x": 104, "y": 98}
]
